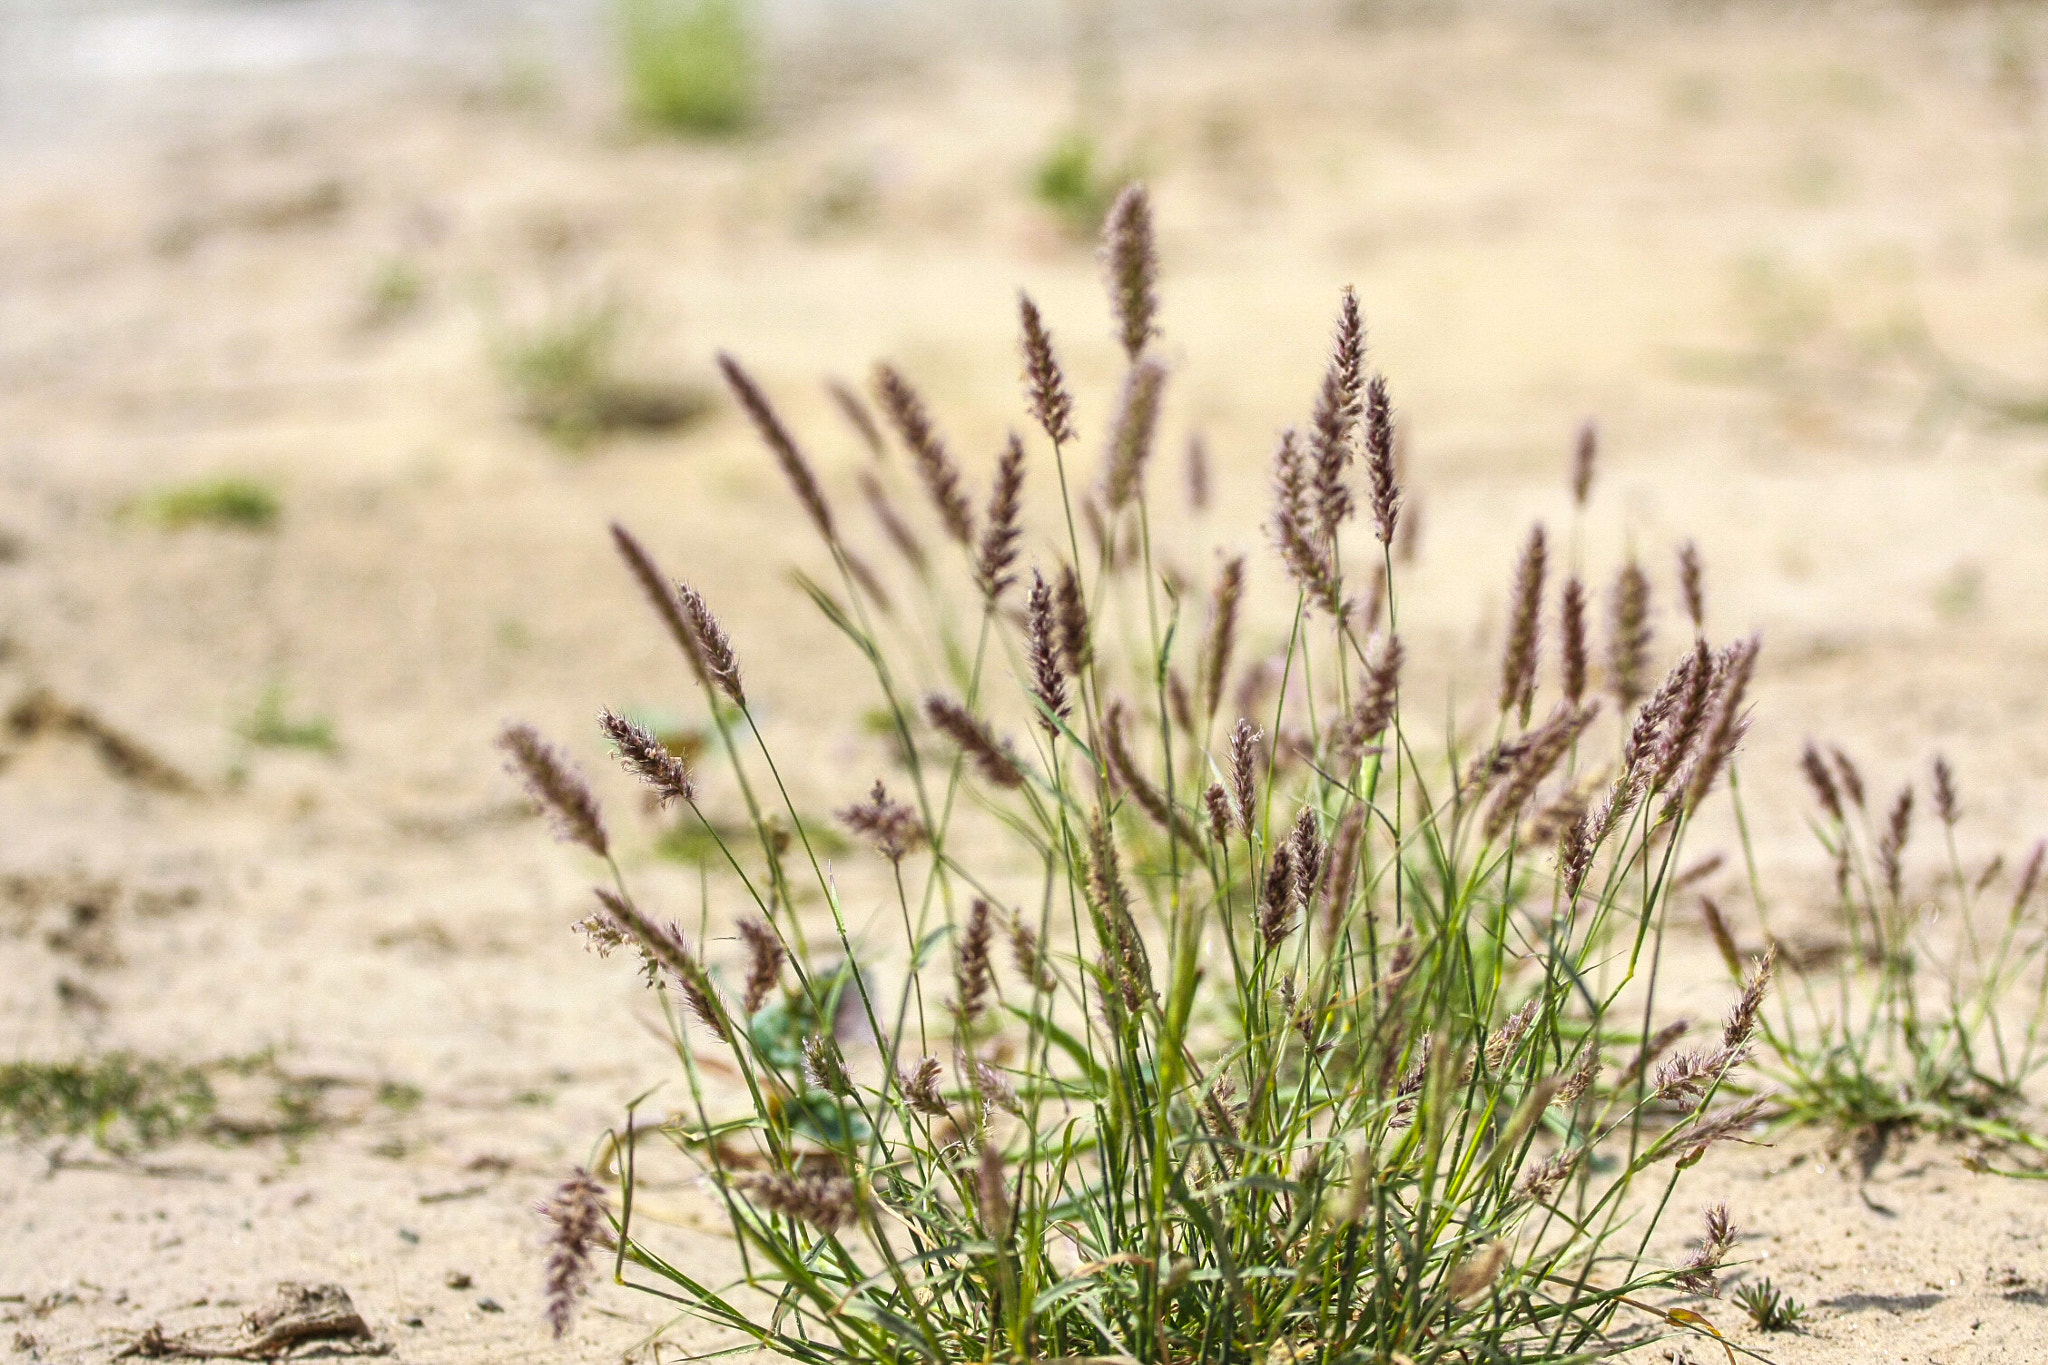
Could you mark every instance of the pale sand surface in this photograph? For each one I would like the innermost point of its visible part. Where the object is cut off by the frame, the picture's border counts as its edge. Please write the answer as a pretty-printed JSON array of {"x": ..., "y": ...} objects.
[{"x": 1709, "y": 231}]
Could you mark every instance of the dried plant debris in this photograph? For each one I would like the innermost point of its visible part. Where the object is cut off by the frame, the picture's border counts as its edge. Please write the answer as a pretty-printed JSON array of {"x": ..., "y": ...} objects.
[
  {"x": 300, "y": 1322},
  {"x": 42, "y": 712}
]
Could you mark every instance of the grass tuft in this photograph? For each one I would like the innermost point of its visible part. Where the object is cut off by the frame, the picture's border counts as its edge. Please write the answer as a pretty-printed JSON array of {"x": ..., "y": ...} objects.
[
  {"x": 690, "y": 65},
  {"x": 119, "y": 1100},
  {"x": 268, "y": 726},
  {"x": 233, "y": 502},
  {"x": 1220, "y": 1022},
  {"x": 564, "y": 370},
  {"x": 1769, "y": 1307}
]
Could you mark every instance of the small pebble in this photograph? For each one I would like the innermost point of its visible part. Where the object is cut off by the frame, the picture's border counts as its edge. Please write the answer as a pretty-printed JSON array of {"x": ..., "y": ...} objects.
[
  {"x": 489, "y": 1305},
  {"x": 408, "y": 1236},
  {"x": 459, "y": 1279},
  {"x": 414, "y": 1322}
]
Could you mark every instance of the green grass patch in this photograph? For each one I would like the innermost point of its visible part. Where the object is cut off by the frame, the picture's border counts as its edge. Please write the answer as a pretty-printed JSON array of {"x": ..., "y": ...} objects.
[
  {"x": 690, "y": 65},
  {"x": 233, "y": 502},
  {"x": 119, "y": 1100}
]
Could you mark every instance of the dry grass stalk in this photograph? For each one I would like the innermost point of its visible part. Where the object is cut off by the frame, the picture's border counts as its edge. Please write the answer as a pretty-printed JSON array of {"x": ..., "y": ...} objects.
[
  {"x": 892, "y": 827},
  {"x": 1244, "y": 758},
  {"x": 663, "y": 599},
  {"x": 934, "y": 463},
  {"x": 1044, "y": 385},
  {"x": 1691, "y": 590},
  {"x": 1133, "y": 265},
  {"x": 719, "y": 660},
  {"x": 1628, "y": 644},
  {"x": 1131, "y": 435},
  {"x": 857, "y": 416},
  {"x": 1525, "y": 606},
  {"x": 558, "y": 788},
  {"x": 1381, "y": 469},
  {"x": 781, "y": 444},
  {"x": 1585, "y": 455},
  {"x": 765, "y": 956},
  {"x": 1336, "y": 414},
  {"x": 975, "y": 739},
  {"x": 998, "y": 553},
  {"x": 1223, "y": 611},
  {"x": 1048, "y": 682},
  {"x": 647, "y": 758},
  {"x": 1571, "y": 620},
  {"x": 578, "y": 1214},
  {"x": 1197, "y": 467},
  {"x": 1072, "y": 616},
  {"x": 973, "y": 974}
]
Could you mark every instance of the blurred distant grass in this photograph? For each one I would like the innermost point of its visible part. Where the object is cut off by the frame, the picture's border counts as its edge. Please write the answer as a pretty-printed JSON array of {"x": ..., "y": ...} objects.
[
  {"x": 268, "y": 726},
  {"x": 564, "y": 370},
  {"x": 228, "y": 501},
  {"x": 690, "y": 64},
  {"x": 1071, "y": 181}
]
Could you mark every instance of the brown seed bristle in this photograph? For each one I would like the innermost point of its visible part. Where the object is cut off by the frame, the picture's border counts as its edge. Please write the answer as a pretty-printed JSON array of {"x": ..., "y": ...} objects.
[
  {"x": 664, "y": 944},
  {"x": 1696, "y": 1272},
  {"x": 577, "y": 1212},
  {"x": 1742, "y": 1019},
  {"x": 719, "y": 659},
  {"x": 1276, "y": 905},
  {"x": 1525, "y": 604},
  {"x": 765, "y": 956},
  {"x": 1244, "y": 759},
  {"x": 993, "y": 1087},
  {"x": 558, "y": 788},
  {"x": 864, "y": 578},
  {"x": 603, "y": 932},
  {"x": 1729, "y": 721},
  {"x": 1198, "y": 473},
  {"x": 1891, "y": 845},
  {"x": 1584, "y": 455},
  {"x": 857, "y": 416},
  {"x": 647, "y": 758},
  {"x": 1346, "y": 845},
  {"x": 1382, "y": 468},
  {"x": 1124, "y": 772},
  {"x": 1044, "y": 384},
  {"x": 825, "y": 1068},
  {"x": 1377, "y": 699},
  {"x": 1306, "y": 845},
  {"x": 1124, "y": 956},
  {"x": 1408, "y": 540},
  {"x": 1628, "y": 646},
  {"x": 1309, "y": 562},
  {"x": 1571, "y": 620},
  {"x": 1029, "y": 957},
  {"x": 921, "y": 1088},
  {"x": 1217, "y": 802},
  {"x": 1048, "y": 683},
  {"x": 893, "y": 526},
  {"x": 1575, "y": 850},
  {"x": 934, "y": 463},
  {"x": 1717, "y": 929},
  {"x": 826, "y": 1202},
  {"x": 1945, "y": 805},
  {"x": 999, "y": 538},
  {"x": 1721, "y": 1125},
  {"x": 1852, "y": 780},
  {"x": 892, "y": 827},
  {"x": 1180, "y": 705},
  {"x": 1654, "y": 1048},
  {"x": 1336, "y": 414},
  {"x": 1690, "y": 590},
  {"x": 1541, "y": 1182},
  {"x": 662, "y": 597},
  {"x": 1546, "y": 749},
  {"x": 1223, "y": 609},
  {"x": 780, "y": 444},
  {"x": 1688, "y": 718},
  {"x": 1821, "y": 780},
  {"x": 1133, "y": 265},
  {"x": 1583, "y": 1075},
  {"x": 1368, "y": 616},
  {"x": 992, "y": 1191},
  {"x": 975, "y": 739},
  {"x": 1131, "y": 434},
  {"x": 2030, "y": 877},
  {"x": 1072, "y": 616},
  {"x": 972, "y": 974}
]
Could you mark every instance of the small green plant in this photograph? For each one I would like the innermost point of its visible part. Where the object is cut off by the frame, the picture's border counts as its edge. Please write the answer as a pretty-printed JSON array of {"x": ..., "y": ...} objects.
[
  {"x": 1070, "y": 180},
  {"x": 565, "y": 372},
  {"x": 229, "y": 501},
  {"x": 1771, "y": 1309},
  {"x": 1868, "y": 1044},
  {"x": 1306, "y": 1044},
  {"x": 120, "y": 1101},
  {"x": 395, "y": 292},
  {"x": 268, "y": 726},
  {"x": 690, "y": 64}
]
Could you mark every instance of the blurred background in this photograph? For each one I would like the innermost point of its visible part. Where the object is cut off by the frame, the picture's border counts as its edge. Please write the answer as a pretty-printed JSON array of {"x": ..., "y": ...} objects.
[{"x": 333, "y": 332}]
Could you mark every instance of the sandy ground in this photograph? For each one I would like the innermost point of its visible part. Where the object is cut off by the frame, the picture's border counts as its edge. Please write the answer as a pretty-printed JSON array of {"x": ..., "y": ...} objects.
[{"x": 1736, "y": 236}]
